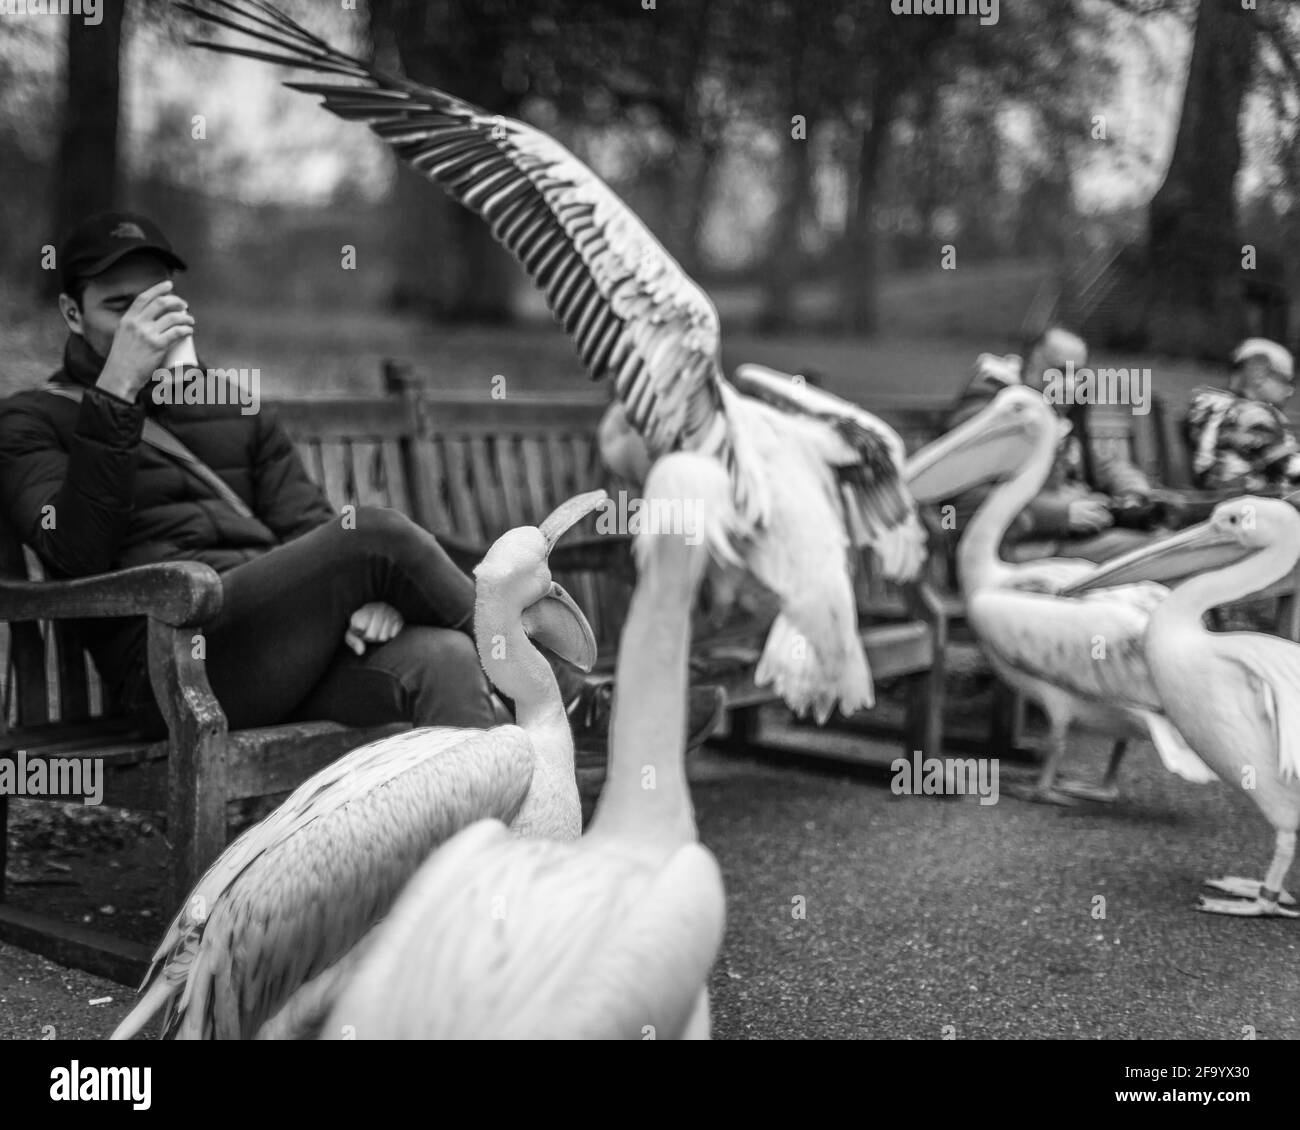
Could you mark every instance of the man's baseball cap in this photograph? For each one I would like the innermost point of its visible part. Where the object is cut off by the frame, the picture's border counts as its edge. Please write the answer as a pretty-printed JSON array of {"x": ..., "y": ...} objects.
[
  {"x": 99, "y": 241},
  {"x": 1277, "y": 356}
]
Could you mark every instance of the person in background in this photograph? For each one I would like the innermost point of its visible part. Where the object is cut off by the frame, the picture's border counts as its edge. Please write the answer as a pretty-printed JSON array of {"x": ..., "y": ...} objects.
[
  {"x": 1240, "y": 438},
  {"x": 1092, "y": 487}
]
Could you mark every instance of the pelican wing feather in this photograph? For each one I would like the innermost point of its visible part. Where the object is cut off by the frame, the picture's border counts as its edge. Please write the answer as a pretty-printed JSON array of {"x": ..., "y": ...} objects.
[
  {"x": 868, "y": 454},
  {"x": 632, "y": 311},
  {"x": 315, "y": 878},
  {"x": 1273, "y": 665},
  {"x": 1091, "y": 648}
]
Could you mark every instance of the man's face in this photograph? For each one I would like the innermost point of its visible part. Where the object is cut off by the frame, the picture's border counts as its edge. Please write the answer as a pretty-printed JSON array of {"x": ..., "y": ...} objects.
[
  {"x": 109, "y": 295},
  {"x": 1266, "y": 384},
  {"x": 1054, "y": 352}
]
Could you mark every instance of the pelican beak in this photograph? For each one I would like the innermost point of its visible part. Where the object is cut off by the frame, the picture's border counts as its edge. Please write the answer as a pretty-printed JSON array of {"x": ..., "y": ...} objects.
[
  {"x": 1198, "y": 549},
  {"x": 985, "y": 448},
  {"x": 557, "y": 623},
  {"x": 569, "y": 514}
]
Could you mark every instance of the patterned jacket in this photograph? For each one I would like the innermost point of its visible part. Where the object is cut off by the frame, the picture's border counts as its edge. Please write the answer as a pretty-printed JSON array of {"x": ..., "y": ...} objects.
[{"x": 1238, "y": 442}]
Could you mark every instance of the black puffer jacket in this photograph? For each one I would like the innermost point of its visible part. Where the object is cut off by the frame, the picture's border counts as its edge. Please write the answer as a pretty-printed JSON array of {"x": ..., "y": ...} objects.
[{"x": 120, "y": 502}]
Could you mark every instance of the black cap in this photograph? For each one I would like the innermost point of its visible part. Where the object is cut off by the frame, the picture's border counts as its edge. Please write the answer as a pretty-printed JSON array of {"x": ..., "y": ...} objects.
[{"x": 99, "y": 241}]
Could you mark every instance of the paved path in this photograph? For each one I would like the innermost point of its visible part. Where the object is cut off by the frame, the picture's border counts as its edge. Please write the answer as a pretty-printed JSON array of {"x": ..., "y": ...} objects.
[{"x": 925, "y": 912}]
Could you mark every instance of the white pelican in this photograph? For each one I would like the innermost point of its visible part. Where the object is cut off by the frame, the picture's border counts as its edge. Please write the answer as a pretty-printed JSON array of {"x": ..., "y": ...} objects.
[
  {"x": 637, "y": 317},
  {"x": 609, "y": 937},
  {"x": 1234, "y": 695},
  {"x": 1079, "y": 659},
  {"x": 294, "y": 893}
]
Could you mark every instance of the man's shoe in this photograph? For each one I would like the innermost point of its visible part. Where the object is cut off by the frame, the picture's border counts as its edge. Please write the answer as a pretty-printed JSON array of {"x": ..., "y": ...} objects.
[{"x": 590, "y": 713}]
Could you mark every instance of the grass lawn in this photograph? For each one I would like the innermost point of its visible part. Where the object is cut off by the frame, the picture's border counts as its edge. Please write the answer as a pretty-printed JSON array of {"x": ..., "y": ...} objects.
[{"x": 934, "y": 323}]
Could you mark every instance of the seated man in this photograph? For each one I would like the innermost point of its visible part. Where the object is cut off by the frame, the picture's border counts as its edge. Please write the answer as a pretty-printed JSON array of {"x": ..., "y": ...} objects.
[
  {"x": 1240, "y": 438},
  {"x": 1089, "y": 487},
  {"x": 362, "y": 623}
]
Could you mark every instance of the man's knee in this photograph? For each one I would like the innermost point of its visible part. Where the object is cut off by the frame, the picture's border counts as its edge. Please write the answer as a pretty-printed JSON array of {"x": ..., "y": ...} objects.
[
  {"x": 382, "y": 528},
  {"x": 423, "y": 656}
]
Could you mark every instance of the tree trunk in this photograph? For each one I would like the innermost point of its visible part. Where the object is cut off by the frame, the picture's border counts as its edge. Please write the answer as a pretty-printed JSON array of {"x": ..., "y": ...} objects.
[
  {"x": 782, "y": 269},
  {"x": 859, "y": 261},
  {"x": 1195, "y": 298},
  {"x": 88, "y": 160},
  {"x": 447, "y": 264}
]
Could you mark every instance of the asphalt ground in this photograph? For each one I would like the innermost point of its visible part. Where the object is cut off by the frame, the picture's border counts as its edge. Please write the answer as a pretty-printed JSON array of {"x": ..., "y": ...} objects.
[{"x": 925, "y": 917}]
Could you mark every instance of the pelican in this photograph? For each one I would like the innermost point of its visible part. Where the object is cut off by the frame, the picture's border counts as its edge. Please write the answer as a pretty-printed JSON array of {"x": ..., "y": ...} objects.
[
  {"x": 292, "y": 895},
  {"x": 609, "y": 937},
  {"x": 794, "y": 454},
  {"x": 1235, "y": 695},
  {"x": 1080, "y": 659}
]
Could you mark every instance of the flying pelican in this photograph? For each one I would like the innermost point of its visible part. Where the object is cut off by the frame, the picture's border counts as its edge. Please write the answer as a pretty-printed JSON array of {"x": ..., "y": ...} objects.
[
  {"x": 293, "y": 894},
  {"x": 1235, "y": 695},
  {"x": 1079, "y": 659},
  {"x": 609, "y": 937},
  {"x": 637, "y": 317}
]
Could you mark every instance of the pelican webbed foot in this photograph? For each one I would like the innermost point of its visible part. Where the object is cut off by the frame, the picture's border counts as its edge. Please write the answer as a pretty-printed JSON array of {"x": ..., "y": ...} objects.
[
  {"x": 1244, "y": 889},
  {"x": 1253, "y": 908},
  {"x": 1038, "y": 793},
  {"x": 1102, "y": 794}
]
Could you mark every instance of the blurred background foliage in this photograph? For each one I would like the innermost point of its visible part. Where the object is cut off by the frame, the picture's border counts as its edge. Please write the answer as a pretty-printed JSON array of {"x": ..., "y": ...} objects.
[{"x": 1100, "y": 161}]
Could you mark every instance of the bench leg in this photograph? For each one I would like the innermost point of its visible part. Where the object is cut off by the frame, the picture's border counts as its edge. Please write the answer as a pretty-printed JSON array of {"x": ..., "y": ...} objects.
[
  {"x": 1007, "y": 725},
  {"x": 743, "y": 726},
  {"x": 925, "y": 705},
  {"x": 4, "y": 842},
  {"x": 196, "y": 725}
]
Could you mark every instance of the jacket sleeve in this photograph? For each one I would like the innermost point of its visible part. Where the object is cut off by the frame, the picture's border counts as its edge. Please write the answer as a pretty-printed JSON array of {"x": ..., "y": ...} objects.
[
  {"x": 285, "y": 497},
  {"x": 71, "y": 501},
  {"x": 1046, "y": 516},
  {"x": 1114, "y": 471}
]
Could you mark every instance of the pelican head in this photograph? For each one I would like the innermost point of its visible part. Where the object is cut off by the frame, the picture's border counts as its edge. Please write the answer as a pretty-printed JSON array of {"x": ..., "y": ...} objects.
[
  {"x": 515, "y": 574},
  {"x": 1238, "y": 529},
  {"x": 990, "y": 446}
]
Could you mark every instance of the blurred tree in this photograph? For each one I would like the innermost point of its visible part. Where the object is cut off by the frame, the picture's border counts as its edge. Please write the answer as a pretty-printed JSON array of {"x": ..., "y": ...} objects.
[
  {"x": 1196, "y": 300},
  {"x": 87, "y": 173},
  {"x": 797, "y": 108},
  {"x": 445, "y": 259}
]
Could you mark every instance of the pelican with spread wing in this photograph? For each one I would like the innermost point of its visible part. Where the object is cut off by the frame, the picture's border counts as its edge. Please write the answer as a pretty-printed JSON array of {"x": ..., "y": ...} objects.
[{"x": 813, "y": 477}]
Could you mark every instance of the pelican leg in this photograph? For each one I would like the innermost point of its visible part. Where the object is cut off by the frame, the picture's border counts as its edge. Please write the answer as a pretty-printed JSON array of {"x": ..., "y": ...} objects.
[
  {"x": 698, "y": 1026},
  {"x": 1044, "y": 790},
  {"x": 1105, "y": 793},
  {"x": 1265, "y": 899}
]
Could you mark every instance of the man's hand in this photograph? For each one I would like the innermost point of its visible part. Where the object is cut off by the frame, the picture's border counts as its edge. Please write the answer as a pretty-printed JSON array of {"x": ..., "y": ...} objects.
[
  {"x": 1088, "y": 515},
  {"x": 372, "y": 623},
  {"x": 152, "y": 324},
  {"x": 1131, "y": 499}
]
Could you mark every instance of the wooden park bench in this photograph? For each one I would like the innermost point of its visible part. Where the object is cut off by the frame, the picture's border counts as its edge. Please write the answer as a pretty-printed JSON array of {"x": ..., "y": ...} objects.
[{"x": 468, "y": 468}]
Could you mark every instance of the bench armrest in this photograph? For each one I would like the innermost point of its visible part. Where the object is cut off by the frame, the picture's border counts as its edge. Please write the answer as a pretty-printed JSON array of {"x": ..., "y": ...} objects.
[{"x": 179, "y": 593}]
